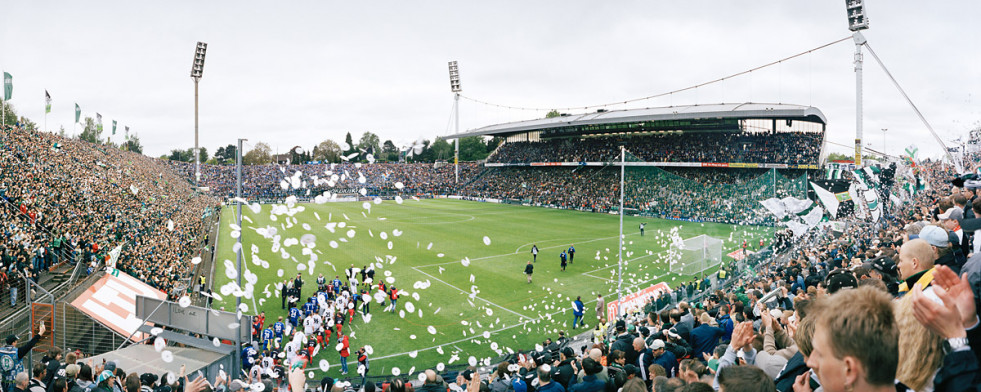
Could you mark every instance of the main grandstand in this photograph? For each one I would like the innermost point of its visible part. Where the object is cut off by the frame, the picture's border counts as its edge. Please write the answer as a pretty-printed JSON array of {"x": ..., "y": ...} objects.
[{"x": 697, "y": 162}]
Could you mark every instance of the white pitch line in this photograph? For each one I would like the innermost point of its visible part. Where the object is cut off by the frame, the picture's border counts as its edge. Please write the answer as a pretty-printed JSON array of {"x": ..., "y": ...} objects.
[
  {"x": 475, "y": 297},
  {"x": 511, "y": 254}
]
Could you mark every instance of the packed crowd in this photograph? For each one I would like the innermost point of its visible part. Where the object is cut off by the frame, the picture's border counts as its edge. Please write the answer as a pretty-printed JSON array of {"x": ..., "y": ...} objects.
[
  {"x": 872, "y": 307},
  {"x": 744, "y": 147},
  {"x": 711, "y": 195},
  {"x": 275, "y": 182},
  {"x": 68, "y": 201}
]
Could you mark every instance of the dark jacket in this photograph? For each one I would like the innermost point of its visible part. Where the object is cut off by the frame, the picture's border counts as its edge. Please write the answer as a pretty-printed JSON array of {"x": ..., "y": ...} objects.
[
  {"x": 668, "y": 361},
  {"x": 528, "y": 376},
  {"x": 788, "y": 375},
  {"x": 431, "y": 388},
  {"x": 551, "y": 387},
  {"x": 625, "y": 343},
  {"x": 589, "y": 383},
  {"x": 704, "y": 338},
  {"x": 564, "y": 372},
  {"x": 617, "y": 375}
]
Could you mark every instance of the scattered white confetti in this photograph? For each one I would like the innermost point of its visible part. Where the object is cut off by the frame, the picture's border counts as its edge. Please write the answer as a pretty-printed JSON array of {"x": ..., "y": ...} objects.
[
  {"x": 159, "y": 343},
  {"x": 196, "y": 261},
  {"x": 487, "y": 240},
  {"x": 472, "y": 360},
  {"x": 440, "y": 367},
  {"x": 432, "y": 330},
  {"x": 167, "y": 356},
  {"x": 396, "y": 371},
  {"x": 185, "y": 301},
  {"x": 216, "y": 342},
  {"x": 324, "y": 366},
  {"x": 156, "y": 331}
]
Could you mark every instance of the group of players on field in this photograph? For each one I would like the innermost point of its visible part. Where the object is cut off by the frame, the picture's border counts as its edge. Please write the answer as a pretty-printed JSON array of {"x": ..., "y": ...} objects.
[{"x": 310, "y": 326}]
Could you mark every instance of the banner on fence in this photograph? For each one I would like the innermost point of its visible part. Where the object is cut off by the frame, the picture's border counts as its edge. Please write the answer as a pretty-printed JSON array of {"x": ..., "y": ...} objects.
[{"x": 636, "y": 299}]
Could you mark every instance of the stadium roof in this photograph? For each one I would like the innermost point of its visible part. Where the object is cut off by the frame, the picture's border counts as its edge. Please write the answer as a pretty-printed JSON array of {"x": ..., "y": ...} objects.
[{"x": 747, "y": 110}]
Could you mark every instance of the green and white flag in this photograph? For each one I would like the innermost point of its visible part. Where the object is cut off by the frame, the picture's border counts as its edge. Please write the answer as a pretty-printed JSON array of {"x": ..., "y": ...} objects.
[
  {"x": 47, "y": 102},
  {"x": 114, "y": 127},
  {"x": 114, "y": 256},
  {"x": 78, "y": 112},
  {"x": 834, "y": 174},
  {"x": 8, "y": 86},
  {"x": 98, "y": 122},
  {"x": 127, "y": 132}
]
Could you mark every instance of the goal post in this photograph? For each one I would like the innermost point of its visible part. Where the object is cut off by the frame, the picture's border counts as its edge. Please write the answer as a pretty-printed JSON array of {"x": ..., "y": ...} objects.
[{"x": 695, "y": 255}]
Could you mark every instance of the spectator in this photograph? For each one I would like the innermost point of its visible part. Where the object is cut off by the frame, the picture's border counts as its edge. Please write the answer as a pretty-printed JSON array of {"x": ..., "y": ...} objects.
[
  {"x": 744, "y": 378},
  {"x": 705, "y": 337},
  {"x": 855, "y": 342},
  {"x": 664, "y": 357},
  {"x": 545, "y": 382}
]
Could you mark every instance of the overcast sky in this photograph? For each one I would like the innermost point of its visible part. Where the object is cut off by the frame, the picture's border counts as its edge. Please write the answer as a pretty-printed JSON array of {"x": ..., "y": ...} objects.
[{"x": 296, "y": 73}]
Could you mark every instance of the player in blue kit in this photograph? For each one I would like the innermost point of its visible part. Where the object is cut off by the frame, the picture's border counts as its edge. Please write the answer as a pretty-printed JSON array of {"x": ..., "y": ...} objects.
[
  {"x": 279, "y": 328},
  {"x": 267, "y": 336},
  {"x": 294, "y": 317}
]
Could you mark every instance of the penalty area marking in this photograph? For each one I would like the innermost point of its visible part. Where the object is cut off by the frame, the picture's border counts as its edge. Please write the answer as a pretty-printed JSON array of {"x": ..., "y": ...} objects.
[
  {"x": 505, "y": 328},
  {"x": 475, "y": 297}
]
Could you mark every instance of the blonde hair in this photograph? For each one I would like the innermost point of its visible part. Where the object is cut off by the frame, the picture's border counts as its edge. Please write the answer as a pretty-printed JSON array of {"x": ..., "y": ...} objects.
[
  {"x": 920, "y": 350},
  {"x": 860, "y": 323}
]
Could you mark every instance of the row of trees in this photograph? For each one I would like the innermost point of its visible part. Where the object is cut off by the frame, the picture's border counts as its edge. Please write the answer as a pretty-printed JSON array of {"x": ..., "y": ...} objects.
[{"x": 471, "y": 149}]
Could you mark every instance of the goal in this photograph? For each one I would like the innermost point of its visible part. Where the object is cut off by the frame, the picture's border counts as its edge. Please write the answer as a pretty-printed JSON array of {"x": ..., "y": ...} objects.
[{"x": 694, "y": 255}]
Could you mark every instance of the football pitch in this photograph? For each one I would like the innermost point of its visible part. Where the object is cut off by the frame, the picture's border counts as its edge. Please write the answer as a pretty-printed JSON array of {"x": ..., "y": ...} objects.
[{"x": 460, "y": 268}]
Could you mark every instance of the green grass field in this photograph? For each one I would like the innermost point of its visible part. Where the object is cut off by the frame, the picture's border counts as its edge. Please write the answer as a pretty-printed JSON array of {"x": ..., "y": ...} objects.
[{"x": 482, "y": 309}]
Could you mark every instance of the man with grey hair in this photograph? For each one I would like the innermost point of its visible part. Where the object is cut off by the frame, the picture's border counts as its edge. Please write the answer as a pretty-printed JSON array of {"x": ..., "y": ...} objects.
[
  {"x": 545, "y": 383},
  {"x": 912, "y": 231},
  {"x": 597, "y": 355},
  {"x": 21, "y": 382},
  {"x": 432, "y": 384}
]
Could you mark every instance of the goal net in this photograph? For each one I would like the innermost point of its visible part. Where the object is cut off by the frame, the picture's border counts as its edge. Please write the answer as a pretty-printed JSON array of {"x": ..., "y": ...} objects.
[{"x": 694, "y": 255}]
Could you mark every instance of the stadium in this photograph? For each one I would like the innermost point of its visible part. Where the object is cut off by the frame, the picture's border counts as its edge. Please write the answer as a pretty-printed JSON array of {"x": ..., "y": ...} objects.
[{"x": 610, "y": 247}]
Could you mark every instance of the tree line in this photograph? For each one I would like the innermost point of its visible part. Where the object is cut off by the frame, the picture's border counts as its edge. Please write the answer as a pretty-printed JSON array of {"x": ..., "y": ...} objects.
[{"x": 472, "y": 148}]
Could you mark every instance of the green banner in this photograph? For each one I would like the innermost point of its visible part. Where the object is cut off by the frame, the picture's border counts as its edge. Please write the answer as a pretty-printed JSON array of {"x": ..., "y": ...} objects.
[
  {"x": 47, "y": 102},
  {"x": 78, "y": 112},
  {"x": 113, "y": 127},
  {"x": 8, "y": 86}
]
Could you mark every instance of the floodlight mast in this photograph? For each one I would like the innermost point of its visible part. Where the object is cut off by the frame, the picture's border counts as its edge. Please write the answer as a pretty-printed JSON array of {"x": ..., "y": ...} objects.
[
  {"x": 857, "y": 21},
  {"x": 197, "y": 70},
  {"x": 455, "y": 88},
  {"x": 238, "y": 253}
]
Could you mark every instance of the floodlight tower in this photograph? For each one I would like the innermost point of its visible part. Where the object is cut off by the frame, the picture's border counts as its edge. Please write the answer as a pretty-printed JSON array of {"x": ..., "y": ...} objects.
[
  {"x": 455, "y": 88},
  {"x": 197, "y": 70},
  {"x": 857, "y": 21}
]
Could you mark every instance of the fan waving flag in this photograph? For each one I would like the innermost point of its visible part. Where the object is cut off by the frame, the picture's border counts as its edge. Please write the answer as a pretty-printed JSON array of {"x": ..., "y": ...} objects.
[
  {"x": 78, "y": 112},
  {"x": 47, "y": 102}
]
